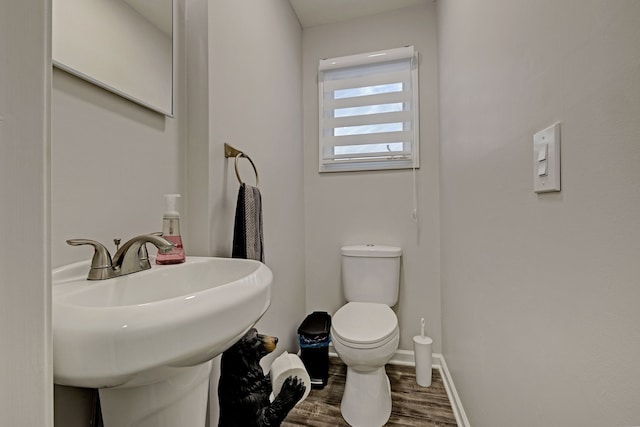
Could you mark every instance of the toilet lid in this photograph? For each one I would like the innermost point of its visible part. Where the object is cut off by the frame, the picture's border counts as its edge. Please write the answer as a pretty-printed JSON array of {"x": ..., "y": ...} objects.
[{"x": 364, "y": 323}]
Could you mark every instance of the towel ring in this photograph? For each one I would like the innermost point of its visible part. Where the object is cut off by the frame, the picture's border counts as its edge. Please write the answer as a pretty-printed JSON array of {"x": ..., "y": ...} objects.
[
  {"x": 229, "y": 151},
  {"x": 252, "y": 164}
]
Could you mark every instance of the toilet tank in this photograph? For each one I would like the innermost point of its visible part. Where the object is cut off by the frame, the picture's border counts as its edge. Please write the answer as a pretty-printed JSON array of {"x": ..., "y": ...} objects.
[{"x": 371, "y": 273}]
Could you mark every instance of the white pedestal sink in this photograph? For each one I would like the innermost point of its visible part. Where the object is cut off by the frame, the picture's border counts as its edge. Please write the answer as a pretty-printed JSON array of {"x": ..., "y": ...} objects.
[{"x": 146, "y": 340}]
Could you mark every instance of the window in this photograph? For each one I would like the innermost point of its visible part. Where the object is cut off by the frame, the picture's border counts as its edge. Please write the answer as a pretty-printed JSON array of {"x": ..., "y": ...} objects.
[{"x": 369, "y": 111}]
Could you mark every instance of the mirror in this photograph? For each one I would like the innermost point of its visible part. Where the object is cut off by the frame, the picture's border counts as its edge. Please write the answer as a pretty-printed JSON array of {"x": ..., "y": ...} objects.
[{"x": 125, "y": 46}]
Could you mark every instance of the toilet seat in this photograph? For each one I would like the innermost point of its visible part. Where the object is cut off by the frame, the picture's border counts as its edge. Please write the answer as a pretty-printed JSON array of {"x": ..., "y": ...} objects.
[{"x": 364, "y": 325}]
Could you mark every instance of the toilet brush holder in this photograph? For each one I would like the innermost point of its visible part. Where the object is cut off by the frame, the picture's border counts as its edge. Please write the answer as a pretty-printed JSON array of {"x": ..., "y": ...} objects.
[{"x": 423, "y": 358}]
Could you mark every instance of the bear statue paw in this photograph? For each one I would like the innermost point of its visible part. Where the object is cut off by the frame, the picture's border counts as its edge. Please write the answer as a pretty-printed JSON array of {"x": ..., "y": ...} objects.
[{"x": 292, "y": 390}]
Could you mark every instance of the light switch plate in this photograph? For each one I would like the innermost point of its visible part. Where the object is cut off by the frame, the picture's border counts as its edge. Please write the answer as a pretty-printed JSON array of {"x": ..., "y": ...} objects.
[{"x": 547, "y": 140}]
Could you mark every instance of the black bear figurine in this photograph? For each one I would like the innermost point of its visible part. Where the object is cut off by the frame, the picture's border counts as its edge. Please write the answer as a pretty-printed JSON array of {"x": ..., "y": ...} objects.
[{"x": 244, "y": 389}]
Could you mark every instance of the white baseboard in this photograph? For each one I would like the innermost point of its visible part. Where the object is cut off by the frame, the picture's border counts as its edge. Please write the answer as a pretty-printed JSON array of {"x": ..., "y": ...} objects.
[
  {"x": 454, "y": 398},
  {"x": 406, "y": 358}
]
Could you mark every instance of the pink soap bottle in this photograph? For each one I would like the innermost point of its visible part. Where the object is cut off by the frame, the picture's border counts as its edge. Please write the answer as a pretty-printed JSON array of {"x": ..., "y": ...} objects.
[{"x": 171, "y": 232}]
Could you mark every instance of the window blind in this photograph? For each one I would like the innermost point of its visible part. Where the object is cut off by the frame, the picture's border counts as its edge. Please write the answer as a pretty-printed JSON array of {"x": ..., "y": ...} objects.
[{"x": 369, "y": 111}]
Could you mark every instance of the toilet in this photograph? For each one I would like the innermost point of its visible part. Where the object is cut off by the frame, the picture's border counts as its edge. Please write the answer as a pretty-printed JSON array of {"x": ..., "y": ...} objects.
[{"x": 365, "y": 331}]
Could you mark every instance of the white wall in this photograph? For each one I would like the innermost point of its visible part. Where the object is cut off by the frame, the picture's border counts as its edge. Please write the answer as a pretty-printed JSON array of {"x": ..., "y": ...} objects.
[
  {"x": 26, "y": 369},
  {"x": 540, "y": 292},
  {"x": 375, "y": 207},
  {"x": 255, "y": 104},
  {"x": 112, "y": 161}
]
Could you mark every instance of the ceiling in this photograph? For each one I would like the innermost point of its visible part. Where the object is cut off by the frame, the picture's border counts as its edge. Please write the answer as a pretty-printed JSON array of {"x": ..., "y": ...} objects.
[{"x": 312, "y": 13}]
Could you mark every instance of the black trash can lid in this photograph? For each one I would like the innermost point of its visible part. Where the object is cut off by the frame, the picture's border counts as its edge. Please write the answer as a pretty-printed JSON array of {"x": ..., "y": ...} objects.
[{"x": 315, "y": 324}]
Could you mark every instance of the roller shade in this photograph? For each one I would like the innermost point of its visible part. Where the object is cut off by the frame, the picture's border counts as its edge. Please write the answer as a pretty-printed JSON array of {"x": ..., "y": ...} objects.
[{"x": 369, "y": 111}]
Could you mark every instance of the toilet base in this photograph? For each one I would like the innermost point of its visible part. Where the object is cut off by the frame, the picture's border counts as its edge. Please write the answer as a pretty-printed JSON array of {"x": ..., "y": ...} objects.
[{"x": 366, "y": 401}]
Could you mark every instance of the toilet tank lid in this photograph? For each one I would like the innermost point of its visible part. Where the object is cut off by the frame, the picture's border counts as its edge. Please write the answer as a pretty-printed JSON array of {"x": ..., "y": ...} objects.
[{"x": 374, "y": 251}]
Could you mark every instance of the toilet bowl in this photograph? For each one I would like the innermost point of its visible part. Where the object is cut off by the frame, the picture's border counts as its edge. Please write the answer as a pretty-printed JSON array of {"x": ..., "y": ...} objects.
[
  {"x": 365, "y": 331},
  {"x": 365, "y": 336}
]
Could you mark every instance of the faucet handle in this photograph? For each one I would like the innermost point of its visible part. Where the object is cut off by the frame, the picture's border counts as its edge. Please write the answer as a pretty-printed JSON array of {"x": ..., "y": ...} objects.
[
  {"x": 101, "y": 263},
  {"x": 101, "y": 256}
]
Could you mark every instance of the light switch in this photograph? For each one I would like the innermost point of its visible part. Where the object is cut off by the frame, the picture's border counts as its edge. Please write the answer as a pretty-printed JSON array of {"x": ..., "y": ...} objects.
[
  {"x": 542, "y": 152},
  {"x": 542, "y": 168},
  {"x": 546, "y": 159}
]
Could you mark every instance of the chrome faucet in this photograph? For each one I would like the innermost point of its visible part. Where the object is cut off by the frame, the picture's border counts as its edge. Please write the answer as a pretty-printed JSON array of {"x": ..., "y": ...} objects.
[
  {"x": 133, "y": 256},
  {"x": 130, "y": 258}
]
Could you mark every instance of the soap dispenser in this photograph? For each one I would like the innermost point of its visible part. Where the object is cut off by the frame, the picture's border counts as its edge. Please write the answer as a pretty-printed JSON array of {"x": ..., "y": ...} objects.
[{"x": 171, "y": 232}]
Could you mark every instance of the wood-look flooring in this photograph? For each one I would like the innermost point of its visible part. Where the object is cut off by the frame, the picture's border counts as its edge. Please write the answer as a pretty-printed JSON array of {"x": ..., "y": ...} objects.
[{"x": 413, "y": 405}]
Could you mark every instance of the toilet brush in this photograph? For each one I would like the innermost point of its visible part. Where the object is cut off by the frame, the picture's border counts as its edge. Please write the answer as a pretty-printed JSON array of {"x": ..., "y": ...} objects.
[{"x": 423, "y": 357}]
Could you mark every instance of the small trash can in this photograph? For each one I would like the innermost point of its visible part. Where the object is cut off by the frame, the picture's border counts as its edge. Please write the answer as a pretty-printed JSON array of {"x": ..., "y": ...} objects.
[{"x": 314, "y": 338}]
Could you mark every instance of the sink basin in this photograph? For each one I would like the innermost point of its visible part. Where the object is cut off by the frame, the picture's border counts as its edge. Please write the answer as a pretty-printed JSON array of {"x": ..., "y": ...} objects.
[
  {"x": 138, "y": 329},
  {"x": 146, "y": 340}
]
